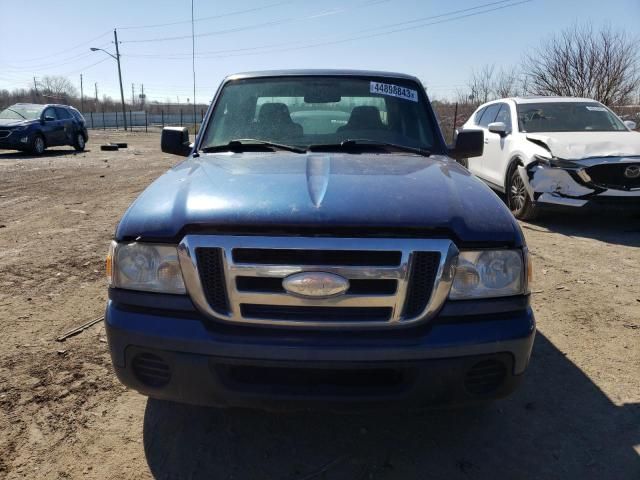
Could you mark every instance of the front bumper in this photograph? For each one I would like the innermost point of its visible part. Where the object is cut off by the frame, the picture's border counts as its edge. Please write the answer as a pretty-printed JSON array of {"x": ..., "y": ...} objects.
[
  {"x": 17, "y": 140},
  {"x": 565, "y": 184},
  {"x": 182, "y": 357}
]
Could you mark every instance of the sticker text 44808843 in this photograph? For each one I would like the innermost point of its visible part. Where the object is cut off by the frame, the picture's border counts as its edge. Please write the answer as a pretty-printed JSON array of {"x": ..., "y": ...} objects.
[{"x": 394, "y": 91}]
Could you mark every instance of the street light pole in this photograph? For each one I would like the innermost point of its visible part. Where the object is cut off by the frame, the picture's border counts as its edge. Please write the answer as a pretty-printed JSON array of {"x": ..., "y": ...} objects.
[
  {"x": 116, "y": 57},
  {"x": 124, "y": 113}
]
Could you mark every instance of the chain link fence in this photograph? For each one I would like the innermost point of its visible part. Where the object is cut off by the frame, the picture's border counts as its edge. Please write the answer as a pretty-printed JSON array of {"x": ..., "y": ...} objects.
[{"x": 142, "y": 120}]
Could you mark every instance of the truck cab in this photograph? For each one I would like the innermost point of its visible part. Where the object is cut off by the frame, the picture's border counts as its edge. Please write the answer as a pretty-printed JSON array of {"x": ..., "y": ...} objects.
[{"x": 319, "y": 247}]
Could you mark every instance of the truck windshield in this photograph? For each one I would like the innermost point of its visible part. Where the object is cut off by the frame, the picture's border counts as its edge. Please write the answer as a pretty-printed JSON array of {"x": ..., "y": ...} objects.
[
  {"x": 567, "y": 117},
  {"x": 304, "y": 111},
  {"x": 21, "y": 112}
]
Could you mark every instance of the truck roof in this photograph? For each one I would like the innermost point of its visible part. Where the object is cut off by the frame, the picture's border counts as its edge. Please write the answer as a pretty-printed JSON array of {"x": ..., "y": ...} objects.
[{"x": 320, "y": 72}]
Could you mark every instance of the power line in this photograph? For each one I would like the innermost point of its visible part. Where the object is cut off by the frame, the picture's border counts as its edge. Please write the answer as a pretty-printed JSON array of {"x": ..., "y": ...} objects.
[
  {"x": 193, "y": 66},
  {"x": 422, "y": 22},
  {"x": 260, "y": 25},
  {"x": 361, "y": 37},
  {"x": 66, "y": 61},
  {"x": 362, "y": 34},
  {"x": 86, "y": 67},
  {"x": 212, "y": 17},
  {"x": 70, "y": 48},
  {"x": 28, "y": 77}
]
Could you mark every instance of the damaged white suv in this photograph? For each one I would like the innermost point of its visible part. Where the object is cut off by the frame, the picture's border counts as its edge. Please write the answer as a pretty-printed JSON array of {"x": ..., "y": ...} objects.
[{"x": 556, "y": 151}]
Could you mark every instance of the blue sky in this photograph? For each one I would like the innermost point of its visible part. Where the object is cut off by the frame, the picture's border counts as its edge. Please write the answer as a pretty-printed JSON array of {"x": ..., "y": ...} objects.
[{"x": 396, "y": 35}]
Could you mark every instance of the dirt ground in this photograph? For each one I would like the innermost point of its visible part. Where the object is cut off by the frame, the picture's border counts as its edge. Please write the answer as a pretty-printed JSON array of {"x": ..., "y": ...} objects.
[{"x": 64, "y": 415}]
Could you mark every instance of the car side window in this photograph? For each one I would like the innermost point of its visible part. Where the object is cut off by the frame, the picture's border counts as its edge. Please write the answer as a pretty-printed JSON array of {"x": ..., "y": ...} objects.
[
  {"x": 50, "y": 112},
  {"x": 504, "y": 116},
  {"x": 78, "y": 116},
  {"x": 489, "y": 115},
  {"x": 478, "y": 115},
  {"x": 63, "y": 113}
]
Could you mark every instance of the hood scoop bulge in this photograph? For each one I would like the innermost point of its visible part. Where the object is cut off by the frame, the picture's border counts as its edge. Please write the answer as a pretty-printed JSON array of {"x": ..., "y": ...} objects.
[{"x": 318, "y": 171}]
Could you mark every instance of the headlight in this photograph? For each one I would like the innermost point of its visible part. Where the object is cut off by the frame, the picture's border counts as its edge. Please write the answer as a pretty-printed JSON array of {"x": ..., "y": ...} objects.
[
  {"x": 489, "y": 273},
  {"x": 542, "y": 159},
  {"x": 140, "y": 266},
  {"x": 21, "y": 128}
]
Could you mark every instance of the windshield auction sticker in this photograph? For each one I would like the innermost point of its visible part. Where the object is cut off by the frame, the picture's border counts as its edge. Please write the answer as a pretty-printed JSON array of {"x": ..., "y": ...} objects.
[{"x": 394, "y": 91}]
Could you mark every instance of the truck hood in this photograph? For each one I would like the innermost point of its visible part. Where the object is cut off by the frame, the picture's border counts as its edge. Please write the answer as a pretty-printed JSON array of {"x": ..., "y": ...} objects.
[
  {"x": 364, "y": 194},
  {"x": 579, "y": 145}
]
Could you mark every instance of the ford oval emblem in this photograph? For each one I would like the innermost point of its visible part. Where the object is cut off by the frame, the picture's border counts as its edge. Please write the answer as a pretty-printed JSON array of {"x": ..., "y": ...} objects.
[{"x": 315, "y": 284}]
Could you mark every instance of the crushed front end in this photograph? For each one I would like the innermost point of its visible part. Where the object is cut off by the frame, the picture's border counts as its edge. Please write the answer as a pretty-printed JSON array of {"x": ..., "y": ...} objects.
[{"x": 591, "y": 181}]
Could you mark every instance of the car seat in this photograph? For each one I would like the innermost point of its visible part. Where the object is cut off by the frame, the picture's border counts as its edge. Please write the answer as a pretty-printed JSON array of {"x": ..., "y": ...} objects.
[
  {"x": 365, "y": 117},
  {"x": 274, "y": 122}
]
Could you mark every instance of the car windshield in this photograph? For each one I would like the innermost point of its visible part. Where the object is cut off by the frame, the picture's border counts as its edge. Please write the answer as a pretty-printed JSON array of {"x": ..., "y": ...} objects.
[
  {"x": 21, "y": 112},
  {"x": 567, "y": 117},
  {"x": 305, "y": 111}
]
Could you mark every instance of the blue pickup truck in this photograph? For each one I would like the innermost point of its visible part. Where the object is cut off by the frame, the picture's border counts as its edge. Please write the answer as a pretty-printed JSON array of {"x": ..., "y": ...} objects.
[{"x": 319, "y": 247}]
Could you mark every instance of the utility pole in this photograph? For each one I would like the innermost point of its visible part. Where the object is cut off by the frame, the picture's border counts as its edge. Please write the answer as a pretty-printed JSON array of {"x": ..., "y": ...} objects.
[
  {"x": 95, "y": 85},
  {"x": 193, "y": 67},
  {"x": 124, "y": 113},
  {"x": 35, "y": 85},
  {"x": 133, "y": 95},
  {"x": 143, "y": 98},
  {"x": 81, "y": 96}
]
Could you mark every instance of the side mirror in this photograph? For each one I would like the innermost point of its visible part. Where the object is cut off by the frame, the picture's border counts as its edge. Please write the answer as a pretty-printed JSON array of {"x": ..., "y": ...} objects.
[
  {"x": 49, "y": 118},
  {"x": 175, "y": 140},
  {"x": 498, "y": 127},
  {"x": 469, "y": 143},
  {"x": 630, "y": 124}
]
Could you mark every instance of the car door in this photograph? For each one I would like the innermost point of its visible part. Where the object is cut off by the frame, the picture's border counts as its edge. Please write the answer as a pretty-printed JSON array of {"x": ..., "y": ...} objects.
[
  {"x": 499, "y": 147},
  {"x": 68, "y": 124},
  {"x": 52, "y": 129},
  {"x": 491, "y": 146}
]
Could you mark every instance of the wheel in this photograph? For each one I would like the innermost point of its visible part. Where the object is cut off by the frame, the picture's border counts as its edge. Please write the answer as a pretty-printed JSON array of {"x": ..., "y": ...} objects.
[
  {"x": 79, "y": 143},
  {"x": 38, "y": 145},
  {"x": 518, "y": 198}
]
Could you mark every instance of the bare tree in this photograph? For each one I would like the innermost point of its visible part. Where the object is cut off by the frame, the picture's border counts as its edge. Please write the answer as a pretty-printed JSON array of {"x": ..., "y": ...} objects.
[
  {"x": 507, "y": 83},
  {"x": 581, "y": 62},
  {"x": 487, "y": 83},
  {"x": 481, "y": 84},
  {"x": 57, "y": 87}
]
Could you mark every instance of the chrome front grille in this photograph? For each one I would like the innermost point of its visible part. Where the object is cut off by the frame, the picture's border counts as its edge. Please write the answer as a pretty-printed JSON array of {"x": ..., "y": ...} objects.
[{"x": 392, "y": 281}]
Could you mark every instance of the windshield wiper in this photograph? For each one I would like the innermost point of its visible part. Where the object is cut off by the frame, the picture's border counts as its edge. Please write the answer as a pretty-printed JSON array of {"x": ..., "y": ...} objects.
[
  {"x": 12, "y": 110},
  {"x": 354, "y": 143},
  {"x": 244, "y": 144}
]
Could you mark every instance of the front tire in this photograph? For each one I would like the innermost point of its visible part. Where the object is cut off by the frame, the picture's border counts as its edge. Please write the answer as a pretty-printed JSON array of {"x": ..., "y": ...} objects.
[
  {"x": 79, "y": 143},
  {"x": 38, "y": 146},
  {"x": 518, "y": 198}
]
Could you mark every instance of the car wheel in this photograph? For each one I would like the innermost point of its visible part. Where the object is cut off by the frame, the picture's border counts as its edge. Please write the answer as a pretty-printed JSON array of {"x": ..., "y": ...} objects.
[
  {"x": 79, "y": 143},
  {"x": 38, "y": 145},
  {"x": 518, "y": 198}
]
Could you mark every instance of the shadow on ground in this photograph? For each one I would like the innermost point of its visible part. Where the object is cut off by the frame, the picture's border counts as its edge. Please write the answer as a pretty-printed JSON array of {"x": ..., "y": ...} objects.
[
  {"x": 14, "y": 154},
  {"x": 559, "y": 424},
  {"x": 613, "y": 227}
]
